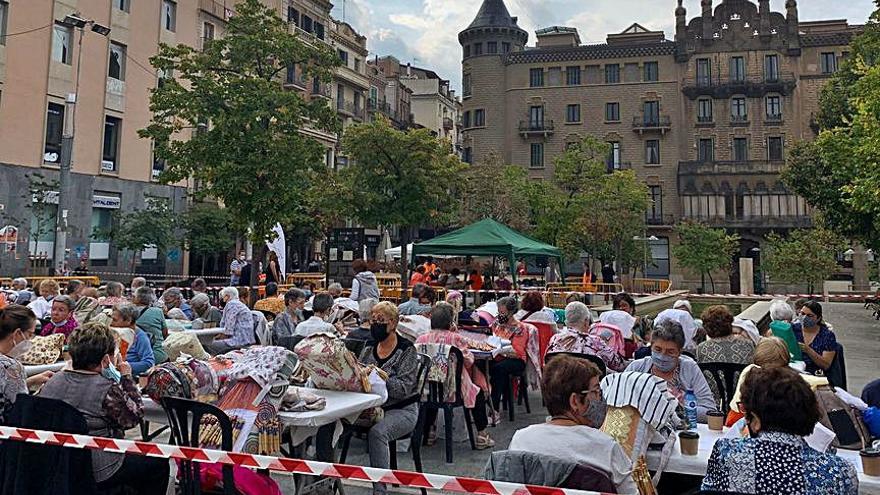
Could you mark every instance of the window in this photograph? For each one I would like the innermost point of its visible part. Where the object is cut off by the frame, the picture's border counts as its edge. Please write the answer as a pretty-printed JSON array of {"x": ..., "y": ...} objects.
[
  {"x": 536, "y": 78},
  {"x": 4, "y": 12},
  {"x": 207, "y": 34},
  {"x": 706, "y": 150},
  {"x": 290, "y": 77},
  {"x": 704, "y": 110},
  {"x": 655, "y": 207},
  {"x": 704, "y": 72},
  {"x": 774, "y": 148},
  {"x": 738, "y": 111},
  {"x": 162, "y": 76},
  {"x": 737, "y": 69},
  {"x": 612, "y": 73},
  {"x": 479, "y": 118},
  {"x": 307, "y": 24},
  {"x": 467, "y": 51},
  {"x": 573, "y": 76},
  {"x": 112, "y": 128},
  {"x": 340, "y": 97},
  {"x": 478, "y": 49},
  {"x": 357, "y": 65},
  {"x": 774, "y": 107},
  {"x": 505, "y": 47},
  {"x": 492, "y": 47},
  {"x": 319, "y": 30},
  {"x": 614, "y": 155},
  {"x": 771, "y": 68},
  {"x": 357, "y": 102},
  {"x": 612, "y": 112},
  {"x": 467, "y": 155},
  {"x": 466, "y": 119},
  {"x": 54, "y": 131},
  {"x": 116, "y": 70},
  {"x": 123, "y": 5},
  {"x": 651, "y": 72},
  {"x": 740, "y": 149},
  {"x": 658, "y": 266},
  {"x": 292, "y": 15},
  {"x": 343, "y": 55},
  {"x": 828, "y": 62},
  {"x": 102, "y": 221},
  {"x": 537, "y": 155},
  {"x": 62, "y": 37},
  {"x": 536, "y": 117},
  {"x": 158, "y": 165},
  {"x": 652, "y": 152},
  {"x": 573, "y": 113},
  {"x": 651, "y": 110},
  {"x": 169, "y": 15},
  {"x": 466, "y": 85}
]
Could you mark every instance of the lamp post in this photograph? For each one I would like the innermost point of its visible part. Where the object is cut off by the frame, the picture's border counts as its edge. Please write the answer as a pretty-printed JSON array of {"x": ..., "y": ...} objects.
[{"x": 67, "y": 136}]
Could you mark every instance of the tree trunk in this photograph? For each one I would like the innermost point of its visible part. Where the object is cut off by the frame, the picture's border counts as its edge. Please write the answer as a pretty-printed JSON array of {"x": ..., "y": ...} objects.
[
  {"x": 255, "y": 274},
  {"x": 712, "y": 281},
  {"x": 404, "y": 260},
  {"x": 703, "y": 282}
]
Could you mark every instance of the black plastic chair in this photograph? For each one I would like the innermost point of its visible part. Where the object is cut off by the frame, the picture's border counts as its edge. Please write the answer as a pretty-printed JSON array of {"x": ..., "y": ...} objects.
[
  {"x": 520, "y": 383},
  {"x": 589, "y": 357},
  {"x": 355, "y": 346},
  {"x": 836, "y": 374},
  {"x": 416, "y": 435},
  {"x": 437, "y": 401},
  {"x": 184, "y": 417},
  {"x": 270, "y": 316},
  {"x": 725, "y": 376},
  {"x": 289, "y": 342}
]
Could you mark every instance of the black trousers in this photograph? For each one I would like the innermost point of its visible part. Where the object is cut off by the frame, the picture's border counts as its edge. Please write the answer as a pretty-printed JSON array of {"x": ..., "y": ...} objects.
[
  {"x": 499, "y": 377},
  {"x": 481, "y": 419},
  {"x": 143, "y": 475}
]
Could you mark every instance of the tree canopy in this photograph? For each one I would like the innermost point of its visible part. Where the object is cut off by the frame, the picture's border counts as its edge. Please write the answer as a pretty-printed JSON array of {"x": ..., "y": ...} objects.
[
  {"x": 704, "y": 249},
  {"x": 805, "y": 256},
  {"x": 493, "y": 189},
  {"x": 150, "y": 227}
]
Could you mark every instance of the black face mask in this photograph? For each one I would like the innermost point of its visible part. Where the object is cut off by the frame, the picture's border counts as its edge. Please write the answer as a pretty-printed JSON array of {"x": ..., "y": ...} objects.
[
  {"x": 503, "y": 319},
  {"x": 752, "y": 434},
  {"x": 379, "y": 331}
]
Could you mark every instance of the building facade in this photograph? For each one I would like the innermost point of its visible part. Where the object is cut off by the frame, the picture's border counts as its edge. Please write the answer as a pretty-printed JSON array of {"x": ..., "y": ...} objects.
[
  {"x": 706, "y": 119},
  {"x": 388, "y": 96}
]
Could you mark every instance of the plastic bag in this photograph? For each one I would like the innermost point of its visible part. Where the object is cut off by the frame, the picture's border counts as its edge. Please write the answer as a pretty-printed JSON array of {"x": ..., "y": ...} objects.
[{"x": 872, "y": 420}]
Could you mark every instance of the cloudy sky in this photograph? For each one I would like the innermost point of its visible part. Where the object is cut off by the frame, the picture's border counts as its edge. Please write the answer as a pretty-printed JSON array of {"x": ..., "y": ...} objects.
[{"x": 425, "y": 32}]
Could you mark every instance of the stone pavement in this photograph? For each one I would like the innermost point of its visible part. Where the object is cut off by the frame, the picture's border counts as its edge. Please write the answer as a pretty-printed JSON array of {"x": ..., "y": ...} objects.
[{"x": 859, "y": 334}]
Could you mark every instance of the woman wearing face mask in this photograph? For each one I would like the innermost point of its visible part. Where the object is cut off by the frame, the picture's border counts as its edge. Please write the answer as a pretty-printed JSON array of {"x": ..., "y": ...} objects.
[
  {"x": 776, "y": 458},
  {"x": 397, "y": 357},
  {"x": 570, "y": 388},
  {"x": 61, "y": 318},
  {"x": 680, "y": 372},
  {"x": 817, "y": 342},
  {"x": 17, "y": 325},
  {"x": 507, "y": 327},
  {"x": 101, "y": 387}
]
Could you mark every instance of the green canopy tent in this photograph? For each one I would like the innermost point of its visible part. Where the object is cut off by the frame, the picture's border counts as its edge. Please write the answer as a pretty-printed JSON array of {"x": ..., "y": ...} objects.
[{"x": 486, "y": 238}]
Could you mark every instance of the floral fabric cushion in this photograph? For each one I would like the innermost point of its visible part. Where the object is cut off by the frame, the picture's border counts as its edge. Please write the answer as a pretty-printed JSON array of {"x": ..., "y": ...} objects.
[
  {"x": 44, "y": 350},
  {"x": 330, "y": 365}
]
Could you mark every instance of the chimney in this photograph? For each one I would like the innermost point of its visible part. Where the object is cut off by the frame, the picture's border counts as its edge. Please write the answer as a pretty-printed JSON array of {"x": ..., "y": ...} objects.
[
  {"x": 764, "y": 14},
  {"x": 707, "y": 20},
  {"x": 793, "y": 25},
  {"x": 680, "y": 22}
]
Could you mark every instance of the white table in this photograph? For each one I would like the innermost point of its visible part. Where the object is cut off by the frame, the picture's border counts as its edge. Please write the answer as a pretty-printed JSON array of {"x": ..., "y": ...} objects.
[
  {"x": 302, "y": 425},
  {"x": 36, "y": 369},
  {"x": 205, "y": 335},
  {"x": 696, "y": 465}
]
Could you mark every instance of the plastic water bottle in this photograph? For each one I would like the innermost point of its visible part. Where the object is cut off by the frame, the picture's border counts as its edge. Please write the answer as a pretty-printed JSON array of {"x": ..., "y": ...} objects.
[{"x": 690, "y": 409}]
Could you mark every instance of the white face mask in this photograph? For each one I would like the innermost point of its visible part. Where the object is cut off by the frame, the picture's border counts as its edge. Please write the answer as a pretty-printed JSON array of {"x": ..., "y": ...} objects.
[{"x": 20, "y": 349}]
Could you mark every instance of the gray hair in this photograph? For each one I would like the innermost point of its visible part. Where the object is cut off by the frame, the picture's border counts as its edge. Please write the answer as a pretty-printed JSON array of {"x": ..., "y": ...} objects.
[
  {"x": 20, "y": 281},
  {"x": 669, "y": 331},
  {"x": 510, "y": 303},
  {"x": 442, "y": 316},
  {"x": 115, "y": 289},
  {"x": 577, "y": 312},
  {"x": 232, "y": 292},
  {"x": 418, "y": 289},
  {"x": 365, "y": 307},
  {"x": 128, "y": 312},
  {"x": 781, "y": 311},
  {"x": 67, "y": 300},
  {"x": 334, "y": 288},
  {"x": 173, "y": 292},
  {"x": 138, "y": 282},
  {"x": 200, "y": 300},
  {"x": 144, "y": 296}
]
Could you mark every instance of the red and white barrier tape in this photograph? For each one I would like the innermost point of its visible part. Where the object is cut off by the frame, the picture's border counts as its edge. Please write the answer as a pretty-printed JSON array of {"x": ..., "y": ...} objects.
[{"x": 297, "y": 466}]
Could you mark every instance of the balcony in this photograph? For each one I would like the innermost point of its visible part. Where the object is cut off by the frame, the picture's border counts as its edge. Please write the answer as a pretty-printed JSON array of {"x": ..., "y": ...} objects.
[
  {"x": 350, "y": 109},
  {"x": 614, "y": 167},
  {"x": 216, "y": 9},
  {"x": 775, "y": 118},
  {"x": 659, "y": 220},
  {"x": 724, "y": 89},
  {"x": 448, "y": 124},
  {"x": 732, "y": 168},
  {"x": 739, "y": 120},
  {"x": 705, "y": 119},
  {"x": 762, "y": 222},
  {"x": 643, "y": 124},
  {"x": 320, "y": 90},
  {"x": 530, "y": 128},
  {"x": 352, "y": 77}
]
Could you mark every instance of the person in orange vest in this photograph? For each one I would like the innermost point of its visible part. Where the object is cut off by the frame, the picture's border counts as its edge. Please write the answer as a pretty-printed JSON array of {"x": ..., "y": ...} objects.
[
  {"x": 430, "y": 266},
  {"x": 418, "y": 276},
  {"x": 588, "y": 279}
]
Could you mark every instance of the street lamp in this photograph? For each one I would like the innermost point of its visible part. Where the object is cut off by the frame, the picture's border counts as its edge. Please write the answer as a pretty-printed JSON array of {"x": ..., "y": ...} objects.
[{"x": 60, "y": 248}]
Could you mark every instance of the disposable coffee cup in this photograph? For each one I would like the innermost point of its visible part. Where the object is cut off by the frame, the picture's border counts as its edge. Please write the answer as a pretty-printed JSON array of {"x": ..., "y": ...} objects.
[
  {"x": 690, "y": 442},
  {"x": 715, "y": 420},
  {"x": 871, "y": 461}
]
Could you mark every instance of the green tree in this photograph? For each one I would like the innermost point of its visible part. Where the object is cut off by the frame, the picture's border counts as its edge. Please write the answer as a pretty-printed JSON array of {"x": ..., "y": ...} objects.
[
  {"x": 150, "y": 227},
  {"x": 206, "y": 230},
  {"x": 223, "y": 118},
  {"x": 704, "y": 249},
  {"x": 839, "y": 173},
  {"x": 400, "y": 178},
  {"x": 41, "y": 198},
  {"x": 805, "y": 256},
  {"x": 493, "y": 189}
]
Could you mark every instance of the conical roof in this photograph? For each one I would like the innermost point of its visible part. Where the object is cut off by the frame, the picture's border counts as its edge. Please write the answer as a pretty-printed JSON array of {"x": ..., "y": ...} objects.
[{"x": 493, "y": 13}]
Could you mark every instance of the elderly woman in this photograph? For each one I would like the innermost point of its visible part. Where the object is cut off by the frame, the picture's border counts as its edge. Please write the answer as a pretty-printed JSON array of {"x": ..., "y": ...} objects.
[
  {"x": 42, "y": 306},
  {"x": 508, "y": 327},
  {"x": 365, "y": 308},
  {"x": 776, "y": 457},
  {"x": 21, "y": 294},
  {"x": 534, "y": 311},
  {"x": 237, "y": 323},
  {"x": 397, "y": 357},
  {"x": 570, "y": 388},
  {"x": 285, "y": 323},
  {"x": 575, "y": 338},
  {"x": 151, "y": 320},
  {"x": 114, "y": 295},
  {"x": 444, "y": 331},
  {"x": 173, "y": 298},
  {"x": 61, "y": 318},
  {"x": 722, "y": 346},
  {"x": 17, "y": 324},
  {"x": 642, "y": 327},
  {"x": 140, "y": 353},
  {"x": 680, "y": 372},
  {"x": 364, "y": 284},
  {"x": 817, "y": 342},
  {"x": 781, "y": 316},
  {"x": 207, "y": 316},
  {"x": 101, "y": 386}
]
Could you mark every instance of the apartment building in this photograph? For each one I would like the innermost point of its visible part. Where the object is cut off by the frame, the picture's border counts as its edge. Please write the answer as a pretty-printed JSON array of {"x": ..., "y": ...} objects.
[
  {"x": 388, "y": 97},
  {"x": 705, "y": 119}
]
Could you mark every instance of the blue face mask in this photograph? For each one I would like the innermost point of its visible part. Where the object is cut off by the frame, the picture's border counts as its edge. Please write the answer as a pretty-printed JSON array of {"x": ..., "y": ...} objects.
[
  {"x": 809, "y": 321},
  {"x": 111, "y": 373},
  {"x": 663, "y": 362}
]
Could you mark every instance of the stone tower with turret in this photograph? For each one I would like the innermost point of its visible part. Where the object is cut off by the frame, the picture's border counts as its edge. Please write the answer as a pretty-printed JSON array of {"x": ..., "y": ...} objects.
[{"x": 485, "y": 44}]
